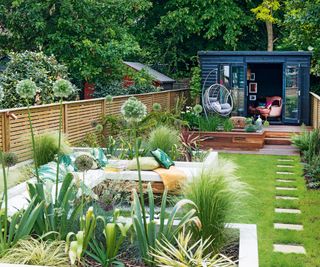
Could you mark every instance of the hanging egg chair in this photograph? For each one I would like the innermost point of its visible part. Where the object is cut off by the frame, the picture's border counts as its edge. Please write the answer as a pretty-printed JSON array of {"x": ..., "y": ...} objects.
[{"x": 216, "y": 98}]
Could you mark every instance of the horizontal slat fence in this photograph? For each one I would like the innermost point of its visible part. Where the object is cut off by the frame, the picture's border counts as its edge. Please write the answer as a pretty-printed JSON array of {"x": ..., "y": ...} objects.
[
  {"x": 76, "y": 120},
  {"x": 315, "y": 110}
]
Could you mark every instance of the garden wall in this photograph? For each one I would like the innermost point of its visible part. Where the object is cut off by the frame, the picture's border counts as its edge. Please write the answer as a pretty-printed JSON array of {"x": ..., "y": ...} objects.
[{"x": 76, "y": 120}]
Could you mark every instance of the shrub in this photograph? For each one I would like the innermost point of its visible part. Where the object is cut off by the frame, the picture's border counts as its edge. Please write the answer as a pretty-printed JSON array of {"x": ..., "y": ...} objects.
[
  {"x": 46, "y": 147},
  {"x": 37, "y": 252},
  {"x": 188, "y": 253},
  {"x": 313, "y": 146},
  {"x": 39, "y": 68},
  {"x": 215, "y": 123},
  {"x": 217, "y": 192},
  {"x": 301, "y": 141},
  {"x": 165, "y": 138}
]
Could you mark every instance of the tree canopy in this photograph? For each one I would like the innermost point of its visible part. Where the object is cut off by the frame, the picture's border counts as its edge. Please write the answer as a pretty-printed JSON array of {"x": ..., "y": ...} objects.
[{"x": 92, "y": 37}]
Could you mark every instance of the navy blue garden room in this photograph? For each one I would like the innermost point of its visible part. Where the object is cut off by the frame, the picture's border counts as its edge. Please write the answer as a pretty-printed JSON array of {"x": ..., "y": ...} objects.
[{"x": 274, "y": 85}]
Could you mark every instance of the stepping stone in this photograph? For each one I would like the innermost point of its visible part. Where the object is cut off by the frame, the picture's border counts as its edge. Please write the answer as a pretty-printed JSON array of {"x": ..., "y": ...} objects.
[
  {"x": 293, "y": 211},
  {"x": 286, "y": 188},
  {"x": 285, "y": 181},
  {"x": 285, "y": 173},
  {"x": 287, "y": 226},
  {"x": 285, "y": 160},
  {"x": 284, "y": 166},
  {"x": 286, "y": 198},
  {"x": 289, "y": 249}
]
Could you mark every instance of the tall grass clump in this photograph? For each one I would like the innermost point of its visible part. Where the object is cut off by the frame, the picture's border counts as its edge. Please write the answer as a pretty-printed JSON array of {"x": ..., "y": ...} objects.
[
  {"x": 301, "y": 141},
  {"x": 165, "y": 138},
  {"x": 217, "y": 192},
  {"x": 37, "y": 252},
  {"x": 47, "y": 146}
]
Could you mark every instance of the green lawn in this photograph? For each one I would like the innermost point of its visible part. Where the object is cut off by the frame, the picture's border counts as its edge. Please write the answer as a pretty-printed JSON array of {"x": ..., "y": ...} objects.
[{"x": 259, "y": 171}]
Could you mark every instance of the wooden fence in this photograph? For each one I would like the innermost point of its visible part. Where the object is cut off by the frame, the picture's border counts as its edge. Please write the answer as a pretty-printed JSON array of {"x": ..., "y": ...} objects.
[
  {"x": 76, "y": 119},
  {"x": 315, "y": 110}
]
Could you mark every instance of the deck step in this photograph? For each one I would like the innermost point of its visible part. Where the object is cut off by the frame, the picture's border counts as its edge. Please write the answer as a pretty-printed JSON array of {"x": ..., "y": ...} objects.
[{"x": 284, "y": 141}]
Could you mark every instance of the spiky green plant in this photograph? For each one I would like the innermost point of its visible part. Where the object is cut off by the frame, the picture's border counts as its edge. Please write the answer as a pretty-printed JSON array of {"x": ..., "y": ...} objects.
[
  {"x": 187, "y": 253},
  {"x": 165, "y": 138},
  {"x": 32, "y": 251},
  {"x": 147, "y": 233},
  {"x": 217, "y": 192},
  {"x": 47, "y": 146}
]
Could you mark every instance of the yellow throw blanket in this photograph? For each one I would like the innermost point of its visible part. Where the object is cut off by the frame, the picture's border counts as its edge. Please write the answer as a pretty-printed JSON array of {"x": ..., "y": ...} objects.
[{"x": 172, "y": 178}]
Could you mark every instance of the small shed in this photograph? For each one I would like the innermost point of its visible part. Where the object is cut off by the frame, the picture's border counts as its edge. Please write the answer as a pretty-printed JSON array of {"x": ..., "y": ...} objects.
[
  {"x": 159, "y": 79},
  {"x": 260, "y": 79}
]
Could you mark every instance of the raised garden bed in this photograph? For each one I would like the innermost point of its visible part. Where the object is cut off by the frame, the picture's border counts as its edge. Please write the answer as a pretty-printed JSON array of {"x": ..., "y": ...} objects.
[{"x": 237, "y": 139}]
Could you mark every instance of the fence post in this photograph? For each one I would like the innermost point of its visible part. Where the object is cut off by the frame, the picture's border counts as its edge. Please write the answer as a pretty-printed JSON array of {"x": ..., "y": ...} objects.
[
  {"x": 65, "y": 118},
  {"x": 6, "y": 132},
  {"x": 104, "y": 106},
  {"x": 169, "y": 100}
]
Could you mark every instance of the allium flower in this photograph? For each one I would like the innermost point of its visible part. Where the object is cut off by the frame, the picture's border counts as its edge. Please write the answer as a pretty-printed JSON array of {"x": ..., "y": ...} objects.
[
  {"x": 10, "y": 159},
  {"x": 133, "y": 110},
  {"x": 109, "y": 98},
  {"x": 197, "y": 109},
  {"x": 99, "y": 128},
  {"x": 156, "y": 107},
  {"x": 62, "y": 88},
  {"x": 83, "y": 163},
  {"x": 26, "y": 88}
]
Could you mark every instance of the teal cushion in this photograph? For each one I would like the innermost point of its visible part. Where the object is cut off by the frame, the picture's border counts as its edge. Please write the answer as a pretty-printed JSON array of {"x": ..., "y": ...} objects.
[{"x": 163, "y": 159}]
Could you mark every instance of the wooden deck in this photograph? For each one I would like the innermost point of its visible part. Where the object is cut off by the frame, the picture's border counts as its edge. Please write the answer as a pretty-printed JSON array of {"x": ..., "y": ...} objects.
[{"x": 277, "y": 141}]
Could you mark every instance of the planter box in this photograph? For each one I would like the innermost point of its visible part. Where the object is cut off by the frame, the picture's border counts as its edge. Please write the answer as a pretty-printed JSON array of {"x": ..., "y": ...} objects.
[{"x": 232, "y": 140}]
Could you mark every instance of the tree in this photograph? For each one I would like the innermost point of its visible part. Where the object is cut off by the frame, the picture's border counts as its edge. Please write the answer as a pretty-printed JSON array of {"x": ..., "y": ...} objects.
[
  {"x": 301, "y": 21},
  {"x": 265, "y": 12},
  {"x": 90, "y": 36},
  {"x": 172, "y": 32}
]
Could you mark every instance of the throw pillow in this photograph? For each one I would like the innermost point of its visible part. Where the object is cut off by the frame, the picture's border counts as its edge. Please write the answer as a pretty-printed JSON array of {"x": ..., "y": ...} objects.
[
  {"x": 146, "y": 164},
  {"x": 163, "y": 159}
]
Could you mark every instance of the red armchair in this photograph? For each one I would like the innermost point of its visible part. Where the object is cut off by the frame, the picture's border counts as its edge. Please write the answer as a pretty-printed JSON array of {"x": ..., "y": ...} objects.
[{"x": 273, "y": 108}]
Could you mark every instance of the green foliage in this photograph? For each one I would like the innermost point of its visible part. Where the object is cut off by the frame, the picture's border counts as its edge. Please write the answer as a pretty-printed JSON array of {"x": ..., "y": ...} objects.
[
  {"x": 90, "y": 140},
  {"x": 147, "y": 233},
  {"x": 164, "y": 138},
  {"x": 172, "y": 32},
  {"x": 195, "y": 83},
  {"x": 265, "y": 11},
  {"x": 32, "y": 251},
  {"x": 9, "y": 159},
  {"x": 55, "y": 217},
  {"x": 42, "y": 70},
  {"x": 89, "y": 36},
  {"x": 217, "y": 193},
  {"x": 301, "y": 25},
  {"x": 301, "y": 141},
  {"x": 188, "y": 253},
  {"x": 20, "y": 224},
  {"x": 79, "y": 245},
  {"x": 115, "y": 234},
  {"x": 47, "y": 147},
  {"x": 117, "y": 88},
  {"x": 215, "y": 123}
]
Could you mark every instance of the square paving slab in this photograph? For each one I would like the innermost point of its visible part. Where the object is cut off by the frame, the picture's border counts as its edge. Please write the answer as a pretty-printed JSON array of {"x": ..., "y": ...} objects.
[{"x": 286, "y": 188}]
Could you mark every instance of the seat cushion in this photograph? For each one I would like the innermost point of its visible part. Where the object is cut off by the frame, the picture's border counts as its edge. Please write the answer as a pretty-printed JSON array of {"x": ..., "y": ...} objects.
[
  {"x": 146, "y": 164},
  {"x": 163, "y": 159}
]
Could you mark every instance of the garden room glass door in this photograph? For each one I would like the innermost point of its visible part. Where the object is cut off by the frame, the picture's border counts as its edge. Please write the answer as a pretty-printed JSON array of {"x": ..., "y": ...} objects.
[
  {"x": 233, "y": 78},
  {"x": 291, "y": 97}
]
